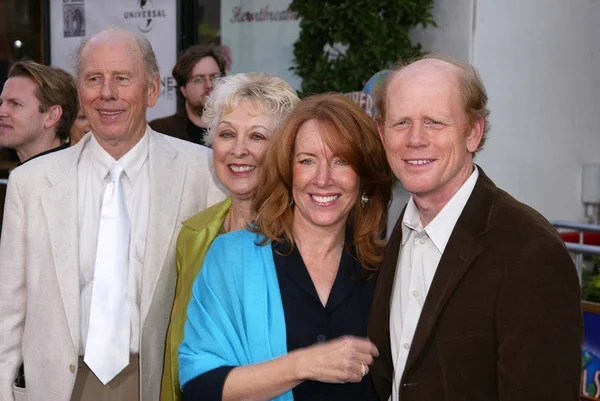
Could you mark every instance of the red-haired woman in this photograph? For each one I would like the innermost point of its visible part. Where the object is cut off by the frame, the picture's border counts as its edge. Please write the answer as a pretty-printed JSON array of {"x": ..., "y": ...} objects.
[{"x": 279, "y": 310}]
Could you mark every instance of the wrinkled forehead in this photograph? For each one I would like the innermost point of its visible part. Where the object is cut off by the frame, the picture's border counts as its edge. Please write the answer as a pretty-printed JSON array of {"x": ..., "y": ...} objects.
[
  {"x": 112, "y": 37},
  {"x": 105, "y": 48},
  {"x": 429, "y": 81},
  {"x": 430, "y": 73},
  {"x": 252, "y": 105},
  {"x": 249, "y": 112}
]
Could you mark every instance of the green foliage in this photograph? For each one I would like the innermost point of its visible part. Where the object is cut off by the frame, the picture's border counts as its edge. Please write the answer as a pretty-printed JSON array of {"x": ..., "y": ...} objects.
[
  {"x": 206, "y": 33},
  {"x": 374, "y": 34},
  {"x": 590, "y": 289}
]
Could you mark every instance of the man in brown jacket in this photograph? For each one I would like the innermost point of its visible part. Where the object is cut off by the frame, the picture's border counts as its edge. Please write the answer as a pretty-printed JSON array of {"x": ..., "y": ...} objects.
[{"x": 477, "y": 298}]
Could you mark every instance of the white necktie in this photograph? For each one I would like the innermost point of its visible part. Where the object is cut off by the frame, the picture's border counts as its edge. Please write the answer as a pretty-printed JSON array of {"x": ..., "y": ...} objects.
[{"x": 107, "y": 345}]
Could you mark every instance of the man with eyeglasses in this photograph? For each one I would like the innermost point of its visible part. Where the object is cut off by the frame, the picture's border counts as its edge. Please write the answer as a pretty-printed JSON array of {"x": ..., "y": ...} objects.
[{"x": 194, "y": 73}]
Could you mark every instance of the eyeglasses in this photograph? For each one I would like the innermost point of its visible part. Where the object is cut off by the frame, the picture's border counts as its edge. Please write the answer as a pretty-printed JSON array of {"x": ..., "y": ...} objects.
[{"x": 204, "y": 79}]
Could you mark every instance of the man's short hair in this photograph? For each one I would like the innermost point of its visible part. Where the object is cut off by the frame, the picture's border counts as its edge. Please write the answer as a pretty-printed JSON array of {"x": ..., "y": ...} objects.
[
  {"x": 185, "y": 65},
  {"x": 472, "y": 92},
  {"x": 55, "y": 87}
]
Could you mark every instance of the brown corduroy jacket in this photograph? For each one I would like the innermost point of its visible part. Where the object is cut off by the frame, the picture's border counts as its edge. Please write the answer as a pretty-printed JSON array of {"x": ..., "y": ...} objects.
[{"x": 502, "y": 319}]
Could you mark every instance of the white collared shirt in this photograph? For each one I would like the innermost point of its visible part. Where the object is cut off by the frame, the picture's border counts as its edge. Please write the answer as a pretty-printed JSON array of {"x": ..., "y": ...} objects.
[
  {"x": 93, "y": 176},
  {"x": 420, "y": 254}
]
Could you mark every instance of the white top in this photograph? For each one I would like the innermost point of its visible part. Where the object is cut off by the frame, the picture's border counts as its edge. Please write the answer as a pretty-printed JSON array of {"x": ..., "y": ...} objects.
[
  {"x": 420, "y": 254},
  {"x": 93, "y": 176}
]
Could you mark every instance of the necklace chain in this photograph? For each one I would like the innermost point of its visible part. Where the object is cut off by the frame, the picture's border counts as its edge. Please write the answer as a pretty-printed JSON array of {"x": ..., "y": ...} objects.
[{"x": 229, "y": 221}]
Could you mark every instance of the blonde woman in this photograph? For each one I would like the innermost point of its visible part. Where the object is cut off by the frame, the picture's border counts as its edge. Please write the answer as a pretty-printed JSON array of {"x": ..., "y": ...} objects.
[{"x": 242, "y": 114}]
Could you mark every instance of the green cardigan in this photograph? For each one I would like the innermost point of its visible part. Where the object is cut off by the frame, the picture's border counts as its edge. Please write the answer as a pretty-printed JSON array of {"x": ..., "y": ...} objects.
[{"x": 196, "y": 236}]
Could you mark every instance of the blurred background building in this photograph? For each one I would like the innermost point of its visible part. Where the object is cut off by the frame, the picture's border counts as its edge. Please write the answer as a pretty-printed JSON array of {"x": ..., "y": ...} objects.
[{"x": 539, "y": 59}]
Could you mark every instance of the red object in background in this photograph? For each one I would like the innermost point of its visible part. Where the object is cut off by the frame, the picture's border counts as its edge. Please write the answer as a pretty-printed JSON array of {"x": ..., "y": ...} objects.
[{"x": 588, "y": 238}]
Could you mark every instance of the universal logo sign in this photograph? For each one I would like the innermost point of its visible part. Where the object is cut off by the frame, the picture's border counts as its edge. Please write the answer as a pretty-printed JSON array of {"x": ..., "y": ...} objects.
[{"x": 146, "y": 15}]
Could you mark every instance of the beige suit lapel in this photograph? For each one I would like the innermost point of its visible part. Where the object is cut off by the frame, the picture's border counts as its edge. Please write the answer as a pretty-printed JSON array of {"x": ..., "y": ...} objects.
[
  {"x": 167, "y": 177},
  {"x": 59, "y": 202}
]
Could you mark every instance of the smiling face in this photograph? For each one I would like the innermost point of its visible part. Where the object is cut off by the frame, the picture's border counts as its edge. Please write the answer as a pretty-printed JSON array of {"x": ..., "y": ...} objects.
[
  {"x": 325, "y": 188},
  {"x": 241, "y": 141},
  {"x": 426, "y": 135},
  {"x": 21, "y": 122},
  {"x": 114, "y": 90}
]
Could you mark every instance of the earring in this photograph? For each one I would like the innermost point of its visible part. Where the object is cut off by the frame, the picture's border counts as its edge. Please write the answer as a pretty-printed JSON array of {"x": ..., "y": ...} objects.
[
  {"x": 364, "y": 199},
  {"x": 291, "y": 201}
]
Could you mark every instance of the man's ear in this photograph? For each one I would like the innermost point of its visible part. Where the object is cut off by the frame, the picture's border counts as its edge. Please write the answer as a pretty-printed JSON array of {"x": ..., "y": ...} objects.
[
  {"x": 53, "y": 115},
  {"x": 183, "y": 91},
  {"x": 380, "y": 130},
  {"x": 154, "y": 90},
  {"x": 475, "y": 135}
]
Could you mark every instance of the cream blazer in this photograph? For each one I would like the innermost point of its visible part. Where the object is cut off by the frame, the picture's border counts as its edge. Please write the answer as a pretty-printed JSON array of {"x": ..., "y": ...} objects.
[{"x": 39, "y": 265}]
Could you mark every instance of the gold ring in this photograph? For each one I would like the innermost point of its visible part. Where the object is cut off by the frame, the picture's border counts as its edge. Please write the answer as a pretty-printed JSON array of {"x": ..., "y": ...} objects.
[{"x": 363, "y": 369}]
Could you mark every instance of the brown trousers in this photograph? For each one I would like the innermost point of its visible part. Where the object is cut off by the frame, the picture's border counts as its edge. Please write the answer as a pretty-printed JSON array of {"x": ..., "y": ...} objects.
[{"x": 124, "y": 387}]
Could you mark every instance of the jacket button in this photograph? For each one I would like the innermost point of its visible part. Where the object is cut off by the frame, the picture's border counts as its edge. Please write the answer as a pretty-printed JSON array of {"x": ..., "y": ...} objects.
[{"x": 72, "y": 368}]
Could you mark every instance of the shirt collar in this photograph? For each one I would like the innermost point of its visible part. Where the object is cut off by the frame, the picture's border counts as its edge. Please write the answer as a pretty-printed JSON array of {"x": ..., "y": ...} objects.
[
  {"x": 441, "y": 227},
  {"x": 132, "y": 161},
  {"x": 411, "y": 220}
]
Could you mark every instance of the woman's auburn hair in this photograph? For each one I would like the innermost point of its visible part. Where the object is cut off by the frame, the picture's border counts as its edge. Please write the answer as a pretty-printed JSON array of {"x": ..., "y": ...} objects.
[{"x": 352, "y": 136}]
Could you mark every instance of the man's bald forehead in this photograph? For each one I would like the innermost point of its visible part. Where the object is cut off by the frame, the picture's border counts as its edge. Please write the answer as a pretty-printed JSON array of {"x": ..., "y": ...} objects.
[
  {"x": 135, "y": 46},
  {"x": 111, "y": 35},
  {"x": 428, "y": 68}
]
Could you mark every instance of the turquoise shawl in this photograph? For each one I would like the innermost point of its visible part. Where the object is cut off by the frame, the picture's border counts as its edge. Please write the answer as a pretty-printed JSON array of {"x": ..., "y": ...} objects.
[{"x": 235, "y": 315}]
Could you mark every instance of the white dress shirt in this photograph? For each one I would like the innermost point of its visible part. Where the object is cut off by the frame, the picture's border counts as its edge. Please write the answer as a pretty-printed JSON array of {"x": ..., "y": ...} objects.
[
  {"x": 93, "y": 176},
  {"x": 420, "y": 254}
]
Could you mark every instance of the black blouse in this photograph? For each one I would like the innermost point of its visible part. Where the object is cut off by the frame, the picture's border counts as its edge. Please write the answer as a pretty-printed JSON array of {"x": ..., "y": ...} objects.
[{"x": 309, "y": 322}]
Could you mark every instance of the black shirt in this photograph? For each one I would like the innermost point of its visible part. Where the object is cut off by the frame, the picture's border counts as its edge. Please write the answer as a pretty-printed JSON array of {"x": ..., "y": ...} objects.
[
  {"x": 195, "y": 133},
  {"x": 47, "y": 152},
  {"x": 309, "y": 322}
]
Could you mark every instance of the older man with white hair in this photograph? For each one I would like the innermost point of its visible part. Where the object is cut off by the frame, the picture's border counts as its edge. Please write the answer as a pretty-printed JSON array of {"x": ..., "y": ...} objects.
[{"x": 87, "y": 252}]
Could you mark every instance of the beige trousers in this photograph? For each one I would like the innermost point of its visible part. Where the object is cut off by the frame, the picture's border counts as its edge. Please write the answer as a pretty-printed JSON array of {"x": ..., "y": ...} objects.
[{"x": 124, "y": 387}]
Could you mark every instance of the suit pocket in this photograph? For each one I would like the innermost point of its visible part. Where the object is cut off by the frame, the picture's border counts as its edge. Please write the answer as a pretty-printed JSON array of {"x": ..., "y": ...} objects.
[
  {"x": 19, "y": 393},
  {"x": 468, "y": 367}
]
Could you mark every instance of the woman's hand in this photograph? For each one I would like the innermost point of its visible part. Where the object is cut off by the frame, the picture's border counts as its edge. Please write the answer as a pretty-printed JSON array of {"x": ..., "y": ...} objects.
[{"x": 345, "y": 359}]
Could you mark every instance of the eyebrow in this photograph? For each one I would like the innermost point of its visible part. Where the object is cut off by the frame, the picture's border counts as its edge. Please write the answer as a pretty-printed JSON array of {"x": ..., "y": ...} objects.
[
  {"x": 399, "y": 115},
  {"x": 305, "y": 154},
  {"x": 11, "y": 99},
  {"x": 438, "y": 117},
  {"x": 259, "y": 126},
  {"x": 96, "y": 72},
  {"x": 251, "y": 127}
]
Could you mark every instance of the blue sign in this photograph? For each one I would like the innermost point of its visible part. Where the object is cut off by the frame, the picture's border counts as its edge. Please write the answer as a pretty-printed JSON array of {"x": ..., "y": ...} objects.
[
  {"x": 590, "y": 376},
  {"x": 374, "y": 81}
]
